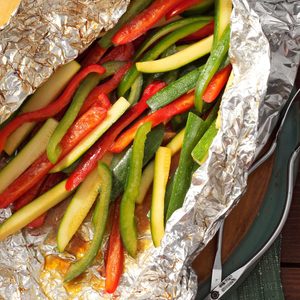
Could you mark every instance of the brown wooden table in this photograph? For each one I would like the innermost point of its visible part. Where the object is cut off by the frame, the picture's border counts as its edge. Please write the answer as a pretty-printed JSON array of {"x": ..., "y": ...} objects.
[{"x": 290, "y": 255}]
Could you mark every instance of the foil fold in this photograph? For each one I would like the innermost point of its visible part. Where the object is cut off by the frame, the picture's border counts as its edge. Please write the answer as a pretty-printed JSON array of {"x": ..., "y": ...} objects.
[{"x": 265, "y": 53}]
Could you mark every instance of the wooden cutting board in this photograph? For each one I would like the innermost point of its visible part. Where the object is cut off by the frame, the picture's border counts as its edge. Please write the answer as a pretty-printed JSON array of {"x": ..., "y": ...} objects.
[{"x": 238, "y": 222}]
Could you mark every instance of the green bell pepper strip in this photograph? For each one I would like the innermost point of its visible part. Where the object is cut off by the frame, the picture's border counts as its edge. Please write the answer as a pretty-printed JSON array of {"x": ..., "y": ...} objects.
[
  {"x": 212, "y": 65},
  {"x": 136, "y": 90},
  {"x": 165, "y": 30},
  {"x": 174, "y": 90},
  {"x": 168, "y": 194},
  {"x": 101, "y": 210},
  {"x": 134, "y": 8},
  {"x": 195, "y": 128},
  {"x": 157, "y": 50},
  {"x": 53, "y": 148},
  {"x": 200, "y": 151},
  {"x": 127, "y": 207},
  {"x": 120, "y": 166}
]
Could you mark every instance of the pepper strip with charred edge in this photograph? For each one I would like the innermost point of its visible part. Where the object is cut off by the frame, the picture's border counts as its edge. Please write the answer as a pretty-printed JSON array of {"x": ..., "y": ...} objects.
[
  {"x": 115, "y": 254},
  {"x": 105, "y": 88},
  {"x": 216, "y": 84},
  {"x": 179, "y": 106},
  {"x": 42, "y": 165},
  {"x": 127, "y": 207},
  {"x": 50, "y": 110},
  {"x": 97, "y": 151},
  {"x": 143, "y": 21},
  {"x": 181, "y": 7}
]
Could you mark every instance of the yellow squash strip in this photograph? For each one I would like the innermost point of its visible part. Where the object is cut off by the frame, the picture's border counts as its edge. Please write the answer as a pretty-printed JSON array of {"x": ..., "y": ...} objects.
[
  {"x": 161, "y": 174},
  {"x": 147, "y": 178}
]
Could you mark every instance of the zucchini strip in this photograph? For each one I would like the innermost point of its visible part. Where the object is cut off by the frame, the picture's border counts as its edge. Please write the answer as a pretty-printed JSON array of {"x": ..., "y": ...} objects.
[
  {"x": 32, "y": 151},
  {"x": 33, "y": 210},
  {"x": 178, "y": 59}
]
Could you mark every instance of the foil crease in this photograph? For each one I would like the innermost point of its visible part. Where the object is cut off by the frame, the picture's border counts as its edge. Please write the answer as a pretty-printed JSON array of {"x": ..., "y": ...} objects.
[
  {"x": 265, "y": 53},
  {"x": 44, "y": 35}
]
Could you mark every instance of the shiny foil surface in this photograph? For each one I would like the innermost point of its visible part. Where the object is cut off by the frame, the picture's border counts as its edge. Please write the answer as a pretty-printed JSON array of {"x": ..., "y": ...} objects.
[
  {"x": 44, "y": 35},
  {"x": 265, "y": 53}
]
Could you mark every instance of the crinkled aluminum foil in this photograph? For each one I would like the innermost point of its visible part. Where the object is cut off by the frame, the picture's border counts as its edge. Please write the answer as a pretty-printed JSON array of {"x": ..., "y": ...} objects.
[
  {"x": 42, "y": 36},
  {"x": 265, "y": 52}
]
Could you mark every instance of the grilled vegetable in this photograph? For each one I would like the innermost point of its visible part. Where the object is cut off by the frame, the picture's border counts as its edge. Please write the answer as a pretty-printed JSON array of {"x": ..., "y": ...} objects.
[
  {"x": 161, "y": 174},
  {"x": 127, "y": 208},
  {"x": 101, "y": 210}
]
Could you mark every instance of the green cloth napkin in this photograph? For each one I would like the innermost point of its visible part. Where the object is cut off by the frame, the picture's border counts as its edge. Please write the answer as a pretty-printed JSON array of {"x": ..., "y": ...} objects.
[{"x": 264, "y": 282}]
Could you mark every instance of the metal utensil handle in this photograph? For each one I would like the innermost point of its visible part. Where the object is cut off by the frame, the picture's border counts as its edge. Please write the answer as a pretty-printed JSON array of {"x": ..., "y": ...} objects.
[
  {"x": 232, "y": 279},
  {"x": 217, "y": 267},
  {"x": 272, "y": 149}
]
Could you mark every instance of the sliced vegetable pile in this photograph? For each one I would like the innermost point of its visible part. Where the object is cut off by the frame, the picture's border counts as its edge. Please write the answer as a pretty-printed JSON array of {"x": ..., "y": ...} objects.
[{"x": 104, "y": 129}]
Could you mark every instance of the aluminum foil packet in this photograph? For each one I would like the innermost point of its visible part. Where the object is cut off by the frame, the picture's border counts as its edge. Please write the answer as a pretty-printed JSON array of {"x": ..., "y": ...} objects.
[{"x": 265, "y": 54}]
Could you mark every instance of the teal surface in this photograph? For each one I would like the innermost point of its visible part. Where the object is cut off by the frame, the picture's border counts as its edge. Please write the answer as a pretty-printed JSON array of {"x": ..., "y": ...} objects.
[{"x": 266, "y": 283}]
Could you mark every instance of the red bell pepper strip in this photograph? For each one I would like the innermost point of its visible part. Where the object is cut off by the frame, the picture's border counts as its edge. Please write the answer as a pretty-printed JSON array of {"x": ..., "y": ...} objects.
[
  {"x": 144, "y": 21},
  {"x": 201, "y": 33},
  {"x": 29, "y": 196},
  {"x": 89, "y": 161},
  {"x": 216, "y": 84},
  {"x": 120, "y": 53},
  {"x": 32, "y": 176},
  {"x": 100, "y": 98},
  {"x": 105, "y": 88},
  {"x": 115, "y": 256},
  {"x": 50, "y": 110},
  {"x": 38, "y": 222},
  {"x": 181, "y": 7},
  {"x": 36, "y": 172},
  {"x": 83, "y": 126},
  {"x": 49, "y": 183},
  {"x": 93, "y": 55},
  {"x": 179, "y": 106}
]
